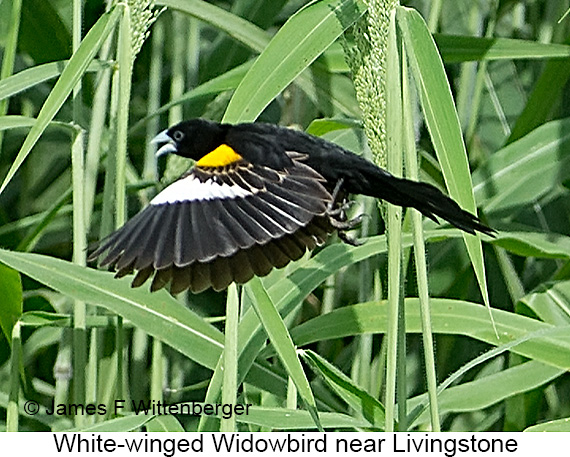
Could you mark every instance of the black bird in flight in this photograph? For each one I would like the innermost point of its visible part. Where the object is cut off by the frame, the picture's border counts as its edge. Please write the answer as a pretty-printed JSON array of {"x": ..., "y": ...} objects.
[{"x": 258, "y": 197}]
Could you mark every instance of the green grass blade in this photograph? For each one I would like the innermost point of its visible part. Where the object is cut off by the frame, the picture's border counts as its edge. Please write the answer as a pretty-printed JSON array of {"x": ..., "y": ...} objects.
[
  {"x": 11, "y": 305},
  {"x": 550, "y": 303},
  {"x": 34, "y": 235},
  {"x": 281, "y": 340},
  {"x": 295, "y": 46},
  {"x": 230, "y": 357},
  {"x": 10, "y": 46},
  {"x": 519, "y": 387},
  {"x": 215, "y": 386},
  {"x": 356, "y": 397},
  {"x": 235, "y": 26},
  {"x": 14, "y": 122},
  {"x": 523, "y": 171},
  {"x": 396, "y": 392},
  {"x": 456, "y": 48},
  {"x": 12, "y": 416},
  {"x": 290, "y": 419},
  {"x": 454, "y": 317},
  {"x": 443, "y": 124},
  {"x": 544, "y": 96},
  {"x": 75, "y": 69},
  {"x": 464, "y": 48},
  {"x": 287, "y": 419},
  {"x": 79, "y": 258},
  {"x": 411, "y": 161},
  {"x": 560, "y": 425},
  {"x": 535, "y": 244},
  {"x": 489, "y": 390},
  {"x": 125, "y": 57},
  {"x": 159, "y": 314}
]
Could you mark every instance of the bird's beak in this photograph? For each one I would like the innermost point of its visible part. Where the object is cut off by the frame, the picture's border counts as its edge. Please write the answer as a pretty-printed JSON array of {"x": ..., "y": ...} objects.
[{"x": 168, "y": 144}]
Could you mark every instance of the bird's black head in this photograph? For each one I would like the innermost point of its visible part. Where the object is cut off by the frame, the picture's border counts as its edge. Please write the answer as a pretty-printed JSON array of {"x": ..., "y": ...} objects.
[{"x": 192, "y": 139}]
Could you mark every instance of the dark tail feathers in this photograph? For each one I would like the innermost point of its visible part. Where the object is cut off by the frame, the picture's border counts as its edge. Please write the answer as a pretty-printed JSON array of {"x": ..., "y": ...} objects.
[{"x": 427, "y": 199}]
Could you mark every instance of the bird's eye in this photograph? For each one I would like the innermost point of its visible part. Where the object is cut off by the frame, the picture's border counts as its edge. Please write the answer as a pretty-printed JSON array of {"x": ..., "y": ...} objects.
[{"x": 178, "y": 135}]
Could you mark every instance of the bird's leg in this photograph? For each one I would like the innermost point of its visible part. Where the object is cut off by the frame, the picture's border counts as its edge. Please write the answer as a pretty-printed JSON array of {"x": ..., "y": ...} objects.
[
  {"x": 338, "y": 213},
  {"x": 336, "y": 190},
  {"x": 337, "y": 216}
]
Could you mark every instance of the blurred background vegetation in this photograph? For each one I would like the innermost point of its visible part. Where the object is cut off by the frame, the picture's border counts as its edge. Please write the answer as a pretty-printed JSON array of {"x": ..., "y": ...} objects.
[{"x": 68, "y": 180}]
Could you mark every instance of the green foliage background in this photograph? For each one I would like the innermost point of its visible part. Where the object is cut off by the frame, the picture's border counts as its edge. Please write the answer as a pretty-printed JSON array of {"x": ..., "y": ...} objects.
[{"x": 82, "y": 91}]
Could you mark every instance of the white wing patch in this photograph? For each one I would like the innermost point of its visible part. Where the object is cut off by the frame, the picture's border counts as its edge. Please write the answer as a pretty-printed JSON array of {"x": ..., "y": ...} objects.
[{"x": 191, "y": 188}]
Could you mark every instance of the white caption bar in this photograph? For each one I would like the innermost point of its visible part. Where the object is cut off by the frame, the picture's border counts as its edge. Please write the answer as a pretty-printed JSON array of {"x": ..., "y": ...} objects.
[{"x": 307, "y": 443}]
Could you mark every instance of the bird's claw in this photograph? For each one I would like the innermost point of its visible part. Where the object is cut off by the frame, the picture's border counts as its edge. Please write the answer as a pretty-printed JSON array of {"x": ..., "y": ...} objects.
[
  {"x": 342, "y": 235},
  {"x": 341, "y": 209},
  {"x": 342, "y": 226}
]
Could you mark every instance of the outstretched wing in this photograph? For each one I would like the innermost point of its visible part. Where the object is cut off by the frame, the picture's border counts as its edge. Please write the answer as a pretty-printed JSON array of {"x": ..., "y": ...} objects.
[{"x": 217, "y": 225}]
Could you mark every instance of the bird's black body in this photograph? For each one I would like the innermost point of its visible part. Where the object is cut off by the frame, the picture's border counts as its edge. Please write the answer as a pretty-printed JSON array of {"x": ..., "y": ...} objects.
[{"x": 258, "y": 197}]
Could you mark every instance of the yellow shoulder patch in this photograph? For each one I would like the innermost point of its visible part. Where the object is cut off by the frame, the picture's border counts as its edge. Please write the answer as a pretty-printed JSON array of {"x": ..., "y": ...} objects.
[{"x": 219, "y": 157}]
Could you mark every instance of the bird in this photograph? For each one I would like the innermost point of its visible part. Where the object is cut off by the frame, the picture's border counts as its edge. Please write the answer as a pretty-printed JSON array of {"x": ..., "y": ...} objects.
[{"x": 257, "y": 197}]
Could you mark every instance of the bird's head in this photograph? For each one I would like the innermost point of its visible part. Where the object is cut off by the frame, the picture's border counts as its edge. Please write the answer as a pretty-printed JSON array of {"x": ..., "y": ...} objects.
[{"x": 192, "y": 139}]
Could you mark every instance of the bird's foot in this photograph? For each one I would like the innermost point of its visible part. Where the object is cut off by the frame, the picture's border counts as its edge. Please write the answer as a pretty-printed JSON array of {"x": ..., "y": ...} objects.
[
  {"x": 342, "y": 226},
  {"x": 348, "y": 239},
  {"x": 336, "y": 212},
  {"x": 341, "y": 209}
]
